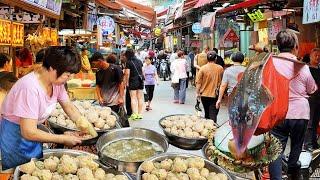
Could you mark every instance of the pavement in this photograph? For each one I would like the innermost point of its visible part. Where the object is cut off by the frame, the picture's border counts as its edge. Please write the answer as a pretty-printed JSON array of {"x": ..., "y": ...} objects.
[{"x": 162, "y": 105}]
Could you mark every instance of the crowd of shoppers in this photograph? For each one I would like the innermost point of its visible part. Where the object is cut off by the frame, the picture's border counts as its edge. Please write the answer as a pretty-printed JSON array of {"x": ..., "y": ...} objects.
[{"x": 179, "y": 68}]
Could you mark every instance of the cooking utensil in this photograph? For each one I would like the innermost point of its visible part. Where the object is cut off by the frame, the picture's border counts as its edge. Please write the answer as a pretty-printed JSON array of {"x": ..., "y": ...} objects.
[
  {"x": 127, "y": 133},
  {"x": 208, "y": 164}
]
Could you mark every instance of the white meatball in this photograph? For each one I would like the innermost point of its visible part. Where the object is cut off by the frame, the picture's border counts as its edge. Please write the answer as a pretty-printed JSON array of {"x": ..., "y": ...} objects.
[
  {"x": 28, "y": 168},
  {"x": 198, "y": 127},
  {"x": 120, "y": 177},
  {"x": 50, "y": 164},
  {"x": 85, "y": 174},
  {"x": 109, "y": 176},
  {"x": 111, "y": 121},
  {"x": 166, "y": 164},
  {"x": 106, "y": 126},
  {"x": 70, "y": 177},
  {"x": 179, "y": 165},
  {"x": 99, "y": 124},
  {"x": 99, "y": 174},
  {"x": 86, "y": 104},
  {"x": 28, "y": 177},
  {"x": 56, "y": 176},
  {"x": 204, "y": 172},
  {"x": 147, "y": 166}
]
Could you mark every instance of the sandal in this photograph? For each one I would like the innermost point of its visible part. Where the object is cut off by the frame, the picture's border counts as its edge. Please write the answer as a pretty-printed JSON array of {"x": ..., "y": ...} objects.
[{"x": 147, "y": 107}]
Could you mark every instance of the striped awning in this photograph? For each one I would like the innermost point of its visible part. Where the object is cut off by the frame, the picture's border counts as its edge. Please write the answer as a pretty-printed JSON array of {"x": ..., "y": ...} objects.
[{"x": 201, "y": 3}]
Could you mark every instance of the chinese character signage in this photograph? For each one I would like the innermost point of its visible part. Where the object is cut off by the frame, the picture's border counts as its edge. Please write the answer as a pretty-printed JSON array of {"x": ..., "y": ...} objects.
[
  {"x": 5, "y": 32},
  {"x": 107, "y": 25},
  {"x": 311, "y": 11},
  {"x": 53, "y": 5},
  {"x": 231, "y": 36},
  {"x": 256, "y": 16},
  {"x": 274, "y": 27},
  {"x": 17, "y": 34}
]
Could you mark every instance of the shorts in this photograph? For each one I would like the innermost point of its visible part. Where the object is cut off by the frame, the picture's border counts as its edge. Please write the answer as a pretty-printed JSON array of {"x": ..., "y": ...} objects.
[{"x": 135, "y": 85}]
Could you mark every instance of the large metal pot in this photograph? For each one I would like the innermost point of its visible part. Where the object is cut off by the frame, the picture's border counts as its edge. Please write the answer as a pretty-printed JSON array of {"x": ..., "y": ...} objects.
[
  {"x": 208, "y": 164},
  {"x": 127, "y": 133},
  {"x": 183, "y": 142},
  {"x": 59, "y": 153}
]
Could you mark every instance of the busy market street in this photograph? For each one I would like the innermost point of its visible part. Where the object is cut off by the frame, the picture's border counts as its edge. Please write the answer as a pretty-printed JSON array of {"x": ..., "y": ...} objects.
[{"x": 159, "y": 89}]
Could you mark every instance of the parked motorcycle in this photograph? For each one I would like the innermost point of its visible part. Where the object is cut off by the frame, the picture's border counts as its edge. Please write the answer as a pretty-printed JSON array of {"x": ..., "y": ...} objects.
[{"x": 164, "y": 70}]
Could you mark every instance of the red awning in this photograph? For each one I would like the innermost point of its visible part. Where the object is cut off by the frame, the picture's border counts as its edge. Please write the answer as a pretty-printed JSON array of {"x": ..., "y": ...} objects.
[
  {"x": 189, "y": 4},
  {"x": 242, "y": 5},
  {"x": 203, "y": 2},
  {"x": 109, "y": 4},
  {"x": 162, "y": 13}
]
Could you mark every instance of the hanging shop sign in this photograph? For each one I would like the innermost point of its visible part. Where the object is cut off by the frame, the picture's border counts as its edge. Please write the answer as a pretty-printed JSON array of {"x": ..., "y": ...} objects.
[
  {"x": 51, "y": 8},
  {"x": 54, "y": 36},
  {"x": 5, "y": 32},
  {"x": 311, "y": 11},
  {"x": 17, "y": 34},
  {"x": 256, "y": 16},
  {"x": 274, "y": 27},
  {"x": 197, "y": 28},
  {"x": 231, "y": 36},
  {"x": 107, "y": 25}
]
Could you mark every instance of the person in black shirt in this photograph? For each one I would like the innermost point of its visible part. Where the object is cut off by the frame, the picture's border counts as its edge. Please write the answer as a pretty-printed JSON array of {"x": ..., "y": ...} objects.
[
  {"x": 134, "y": 77},
  {"x": 219, "y": 60},
  {"x": 314, "y": 102},
  {"x": 109, "y": 81}
]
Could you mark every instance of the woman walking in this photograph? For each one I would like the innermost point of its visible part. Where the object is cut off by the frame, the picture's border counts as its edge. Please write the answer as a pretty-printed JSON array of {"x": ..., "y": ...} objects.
[
  {"x": 133, "y": 74},
  {"x": 179, "y": 78},
  {"x": 151, "y": 78}
]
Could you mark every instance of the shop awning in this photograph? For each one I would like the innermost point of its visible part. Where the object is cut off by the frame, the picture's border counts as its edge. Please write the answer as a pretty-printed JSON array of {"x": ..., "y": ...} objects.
[
  {"x": 113, "y": 5},
  {"x": 201, "y": 3},
  {"x": 162, "y": 13},
  {"x": 242, "y": 5},
  {"x": 189, "y": 4}
]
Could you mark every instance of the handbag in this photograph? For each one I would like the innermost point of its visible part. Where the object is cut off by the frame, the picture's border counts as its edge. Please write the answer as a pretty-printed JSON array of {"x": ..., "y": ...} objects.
[{"x": 123, "y": 117}]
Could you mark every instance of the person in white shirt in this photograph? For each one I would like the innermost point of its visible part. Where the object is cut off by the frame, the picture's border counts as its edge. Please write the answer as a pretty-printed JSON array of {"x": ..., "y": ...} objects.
[{"x": 179, "y": 78}]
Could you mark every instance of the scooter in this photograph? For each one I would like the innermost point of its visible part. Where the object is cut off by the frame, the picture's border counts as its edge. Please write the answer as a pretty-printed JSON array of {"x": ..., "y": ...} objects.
[{"x": 164, "y": 71}]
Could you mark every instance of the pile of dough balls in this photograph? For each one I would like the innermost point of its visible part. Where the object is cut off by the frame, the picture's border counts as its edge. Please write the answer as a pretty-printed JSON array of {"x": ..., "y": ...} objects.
[
  {"x": 66, "y": 168},
  {"x": 100, "y": 117},
  {"x": 192, "y": 168},
  {"x": 188, "y": 126}
]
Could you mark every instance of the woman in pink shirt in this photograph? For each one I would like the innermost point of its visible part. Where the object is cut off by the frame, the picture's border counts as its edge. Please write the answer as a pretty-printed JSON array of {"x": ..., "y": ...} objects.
[
  {"x": 30, "y": 102},
  {"x": 300, "y": 86}
]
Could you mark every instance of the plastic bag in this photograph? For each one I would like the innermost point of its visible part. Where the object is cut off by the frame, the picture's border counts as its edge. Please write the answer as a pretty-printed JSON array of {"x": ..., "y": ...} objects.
[{"x": 123, "y": 117}]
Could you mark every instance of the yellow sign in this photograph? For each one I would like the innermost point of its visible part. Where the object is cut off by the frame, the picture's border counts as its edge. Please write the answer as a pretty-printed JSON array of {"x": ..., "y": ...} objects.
[
  {"x": 17, "y": 34},
  {"x": 54, "y": 37},
  {"x": 5, "y": 32},
  {"x": 157, "y": 32},
  {"x": 175, "y": 41},
  {"x": 256, "y": 16}
]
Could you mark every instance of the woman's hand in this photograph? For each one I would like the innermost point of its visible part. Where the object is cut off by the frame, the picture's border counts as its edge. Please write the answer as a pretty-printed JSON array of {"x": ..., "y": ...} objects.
[
  {"x": 85, "y": 126},
  {"x": 101, "y": 101},
  {"x": 218, "y": 103},
  {"x": 70, "y": 141}
]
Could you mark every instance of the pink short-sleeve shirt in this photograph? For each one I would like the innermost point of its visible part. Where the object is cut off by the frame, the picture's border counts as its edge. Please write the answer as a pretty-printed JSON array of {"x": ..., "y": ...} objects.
[
  {"x": 27, "y": 99},
  {"x": 301, "y": 84}
]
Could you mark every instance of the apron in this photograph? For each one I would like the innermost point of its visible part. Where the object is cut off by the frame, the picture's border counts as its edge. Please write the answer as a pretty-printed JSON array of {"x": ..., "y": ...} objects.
[{"x": 15, "y": 150}]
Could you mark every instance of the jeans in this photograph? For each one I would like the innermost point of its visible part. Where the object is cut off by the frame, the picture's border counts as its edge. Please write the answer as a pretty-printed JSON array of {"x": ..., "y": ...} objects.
[
  {"x": 295, "y": 129},
  {"x": 210, "y": 110},
  {"x": 311, "y": 134},
  {"x": 180, "y": 93},
  {"x": 150, "y": 90}
]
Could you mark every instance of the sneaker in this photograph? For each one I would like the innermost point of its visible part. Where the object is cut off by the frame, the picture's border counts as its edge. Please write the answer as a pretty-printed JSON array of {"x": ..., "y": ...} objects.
[
  {"x": 133, "y": 117},
  {"x": 139, "y": 116},
  {"x": 175, "y": 102}
]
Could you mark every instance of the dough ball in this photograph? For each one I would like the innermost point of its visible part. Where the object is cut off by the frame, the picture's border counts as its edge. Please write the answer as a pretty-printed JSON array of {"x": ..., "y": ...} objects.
[
  {"x": 168, "y": 130},
  {"x": 99, "y": 174},
  {"x": 43, "y": 174},
  {"x": 195, "y": 135},
  {"x": 87, "y": 161},
  {"x": 172, "y": 176},
  {"x": 147, "y": 166},
  {"x": 193, "y": 171},
  {"x": 189, "y": 134},
  {"x": 99, "y": 123},
  {"x": 183, "y": 176},
  {"x": 204, "y": 172},
  {"x": 148, "y": 176},
  {"x": 92, "y": 116},
  {"x": 174, "y": 132},
  {"x": 166, "y": 123},
  {"x": 109, "y": 176},
  {"x": 50, "y": 164},
  {"x": 111, "y": 121},
  {"x": 222, "y": 176},
  {"x": 212, "y": 176},
  {"x": 67, "y": 165},
  {"x": 104, "y": 114},
  {"x": 106, "y": 126},
  {"x": 121, "y": 177},
  {"x": 160, "y": 173},
  {"x": 204, "y": 132},
  {"x": 70, "y": 177},
  {"x": 181, "y": 124},
  {"x": 157, "y": 165},
  {"x": 179, "y": 165},
  {"x": 86, "y": 104},
  {"x": 39, "y": 165},
  {"x": 28, "y": 177},
  {"x": 182, "y": 134},
  {"x": 198, "y": 127},
  {"x": 28, "y": 168},
  {"x": 56, "y": 176},
  {"x": 85, "y": 174},
  {"x": 196, "y": 162},
  {"x": 166, "y": 164}
]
